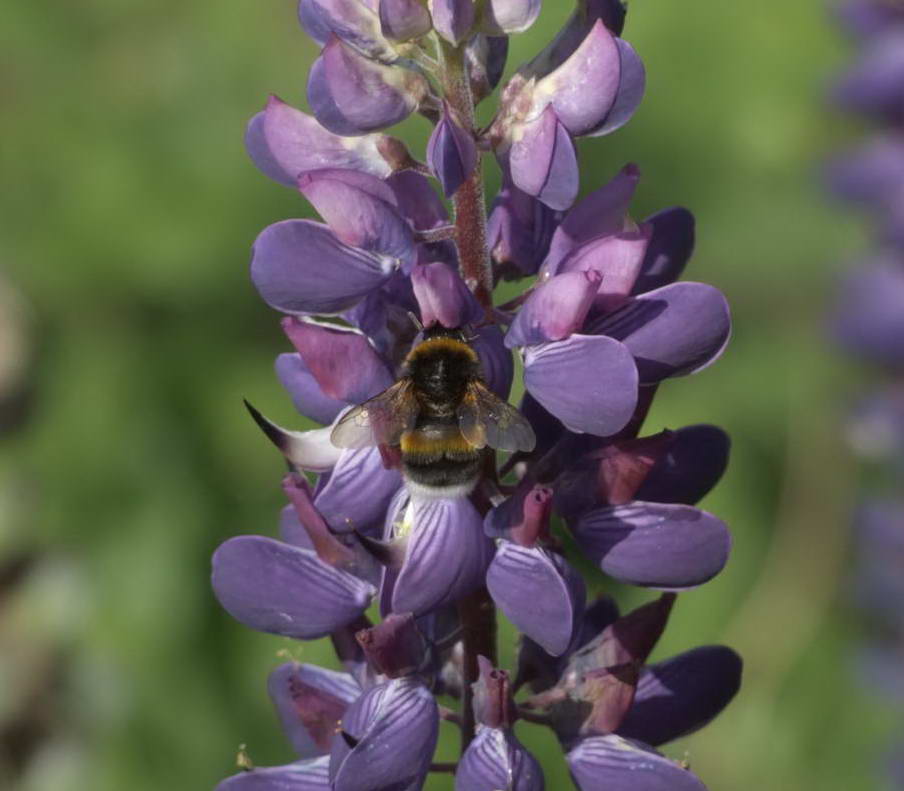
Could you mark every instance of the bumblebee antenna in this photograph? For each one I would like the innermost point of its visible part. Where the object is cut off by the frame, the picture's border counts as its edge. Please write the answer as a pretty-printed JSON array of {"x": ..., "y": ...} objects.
[{"x": 416, "y": 321}]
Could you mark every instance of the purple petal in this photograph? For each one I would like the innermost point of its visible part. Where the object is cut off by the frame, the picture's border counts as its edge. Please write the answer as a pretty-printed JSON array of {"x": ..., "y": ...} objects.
[
  {"x": 587, "y": 382},
  {"x": 312, "y": 21},
  {"x": 670, "y": 248},
  {"x": 312, "y": 775},
  {"x": 310, "y": 701},
  {"x": 871, "y": 174},
  {"x": 509, "y": 16},
  {"x": 443, "y": 297},
  {"x": 446, "y": 558},
  {"x": 299, "y": 266},
  {"x": 284, "y": 142},
  {"x": 632, "y": 81},
  {"x": 692, "y": 465},
  {"x": 359, "y": 209},
  {"x": 611, "y": 763},
  {"x": 519, "y": 230},
  {"x": 673, "y": 331},
  {"x": 351, "y": 94},
  {"x": 682, "y": 694},
  {"x": 496, "y": 364},
  {"x": 583, "y": 90},
  {"x": 342, "y": 360},
  {"x": 544, "y": 163},
  {"x": 451, "y": 153},
  {"x": 417, "y": 200},
  {"x": 874, "y": 85},
  {"x": 600, "y": 213},
  {"x": 495, "y": 759},
  {"x": 669, "y": 547},
  {"x": 555, "y": 309},
  {"x": 358, "y": 492},
  {"x": 485, "y": 59},
  {"x": 292, "y": 531},
  {"x": 304, "y": 391},
  {"x": 356, "y": 23},
  {"x": 395, "y": 727},
  {"x": 277, "y": 588},
  {"x": 452, "y": 19},
  {"x": 539, "y": 592},
  {"x": 402, "y": 20}
]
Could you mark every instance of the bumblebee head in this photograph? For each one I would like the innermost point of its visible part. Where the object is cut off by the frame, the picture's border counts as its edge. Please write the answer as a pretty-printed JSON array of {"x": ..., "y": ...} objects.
[{"x": 461, "y": 334}]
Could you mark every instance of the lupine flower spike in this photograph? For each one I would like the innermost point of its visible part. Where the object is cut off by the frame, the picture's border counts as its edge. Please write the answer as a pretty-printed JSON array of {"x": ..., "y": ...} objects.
[{"x": 427, "y": 500}]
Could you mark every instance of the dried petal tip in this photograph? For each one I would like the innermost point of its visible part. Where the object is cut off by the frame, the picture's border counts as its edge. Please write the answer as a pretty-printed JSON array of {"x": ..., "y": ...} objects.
[
  {"x": 306, "y": 450},
  {"x": 493, "y": 704},
  {"x": 451, "y": 153},
  {"x": 394, "y": 647}
]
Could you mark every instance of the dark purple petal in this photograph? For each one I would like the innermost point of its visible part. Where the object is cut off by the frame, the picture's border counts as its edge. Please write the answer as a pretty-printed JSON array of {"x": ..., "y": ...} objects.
[
  {"x": 356, "y": 23},
  {"x": 359, "y": 209},
  {"x": 312, "y": 21},
  {"x": 611, "y": 763},
  {"x": 587, "y": 382},
  {"x": 277, "y": 588},
  {"x": 310, "y": 701},
  {"x": 394, "y": 728},
  {"x": 402, "y": 20},
  {"x": 632, "y": 81},
  {"x": 452, "y": 19},
  {"x": 539, "y": 592},
  {"x": 555, "y": 309},
  {"x": 673, "y": 331},
  {"x": 443, "y": 297},
  {"x": 600, "y": 213},
  {"x": 451, "y": 153},
  {"x": 867, "y": 17},
  {"x": 670, "y": 248},
  {"x": 519, "y": 230},
  {"x": 417, "y": 200},
  {"x": 342, "y": 360},
  {"x": 874, "y": 85},
  {"x": 485, "y": 58},
  {"x": 446, "y": 557},
  {"x": 312, "y": 775},
  {"x": 669, "y": 547},
  {"x": 544, "y": 163},
  {"x": 351, "y": 94},
  {"x": 870, "y": 319},
  {"x": 299, "y": 266},
  {"x": 494, "y": 760},
  {"x": 693, "y": 463},
  {"x": 496, "y": 364},
  {"x": 509, "y": 16},
  {"x": 304, "y": 391},
  {"x": 524, "y": 517},
  {"x": 682, "y": 694}
]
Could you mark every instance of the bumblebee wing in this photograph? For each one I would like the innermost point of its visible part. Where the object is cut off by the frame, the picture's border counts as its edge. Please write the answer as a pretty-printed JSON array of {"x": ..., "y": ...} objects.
[
  {"x": 484, "y": 419},
  {"x": 379, "y": 421}
]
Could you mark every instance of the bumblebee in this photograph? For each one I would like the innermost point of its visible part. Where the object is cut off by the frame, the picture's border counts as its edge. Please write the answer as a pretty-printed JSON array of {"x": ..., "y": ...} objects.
[{"x": 440, "y": 415}]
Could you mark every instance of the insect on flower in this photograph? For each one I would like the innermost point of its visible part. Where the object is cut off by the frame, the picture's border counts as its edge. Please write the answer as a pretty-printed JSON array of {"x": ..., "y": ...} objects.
[{"x": 440, "y": 415}]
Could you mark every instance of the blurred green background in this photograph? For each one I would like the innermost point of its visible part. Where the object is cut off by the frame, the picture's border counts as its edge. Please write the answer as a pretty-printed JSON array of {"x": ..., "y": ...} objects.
[{"x": 127, "y": 214}]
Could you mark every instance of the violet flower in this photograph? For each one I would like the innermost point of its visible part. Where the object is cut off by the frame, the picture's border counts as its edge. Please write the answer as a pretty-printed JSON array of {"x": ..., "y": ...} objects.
[{"x": 603, "y": 324}]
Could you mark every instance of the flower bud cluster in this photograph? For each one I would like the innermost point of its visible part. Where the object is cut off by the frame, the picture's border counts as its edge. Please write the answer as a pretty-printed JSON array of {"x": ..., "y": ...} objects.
[{"x": 601, "y": 322}]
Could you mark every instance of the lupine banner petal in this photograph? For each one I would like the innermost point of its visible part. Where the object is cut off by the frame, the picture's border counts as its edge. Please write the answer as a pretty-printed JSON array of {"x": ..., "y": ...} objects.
[
  {"x": 311, "y": 775},
  {"x": 587, "y": 382},
  {"x": 299, "y": 266},
  {"x": 277, "y": 588},
  {"x": 305, "y": 392},
  {"x": 544, "y": 163},
  {"x": 509, "y": 16},
  {"x": 669, "y": 547},
  {"x": 631, "y": 85},
  {"x": 670, "y": 248},
  {"x": 451, "y": 153},
  {"x": 494, "y": 760}
]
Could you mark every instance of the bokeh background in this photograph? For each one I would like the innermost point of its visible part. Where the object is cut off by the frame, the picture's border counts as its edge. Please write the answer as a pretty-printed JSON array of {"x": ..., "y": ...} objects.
[{"x": 130, "y": 333}]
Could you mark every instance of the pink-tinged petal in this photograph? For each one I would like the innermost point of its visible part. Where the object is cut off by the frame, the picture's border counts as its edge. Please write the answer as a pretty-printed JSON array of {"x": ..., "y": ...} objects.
[
  {"x": 310, "y": 775},
  {"x": 673, "y": 331},
  {"x": 310, "y": 702},
  {"x": 509, "y": 16},
  {"x": 496, "y": 363},
  {"x": 544, "y": 163},
  {"x": 452, "y": 19},
  {"x": 583, "y": 90},
  {"x": 555, "y": 309},
  {"x": 304, "y": 390},
  {"x": 611, "y": 763},
  {"x": 446, "y": 557},
  {"x": 671, "y": 246},
  {"x": 668, "y": 547},
  {"x": 359, "y": 209},
  {"x": 451, "y": 153},
  {"x": 495, "y": 759},
  {"x": 284, "y": 143},
  {"x": 587, "y": 382},
  {"x": 682, "y": 694},
  {"x": 351, "y": 94},
  {"x": 600, "y": 213},
  {"x": 342, "y": 360},
  {"x": 299, "y": 266},
  {"x": 387, "y": 740},
  {"x": 539, "y": 592},
  {"x": 277, "y": 588},
  {"x": 631, "y": 85},
  {"x": 311, "y": 451},
  {"x": 403, "y": 20},
  {"x": 417, "y": 200},
  {"x": 443, "y": 297},
  {"x": 358, "y": 491}
]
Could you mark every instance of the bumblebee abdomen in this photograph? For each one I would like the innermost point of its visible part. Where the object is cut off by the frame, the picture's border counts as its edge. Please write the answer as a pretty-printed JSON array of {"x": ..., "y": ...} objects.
[{"x": 438, "y": 461}]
